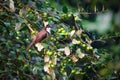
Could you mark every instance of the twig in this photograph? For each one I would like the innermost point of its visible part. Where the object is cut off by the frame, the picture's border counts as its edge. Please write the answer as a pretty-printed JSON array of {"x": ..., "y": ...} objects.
[
  {"x": 29, "y": 76},
  {"x": 28, "y": 25}
]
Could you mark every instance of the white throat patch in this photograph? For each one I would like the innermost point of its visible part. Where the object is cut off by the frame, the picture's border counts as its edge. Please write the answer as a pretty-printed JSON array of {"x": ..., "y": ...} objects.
[{"x": 48, "y": 30}]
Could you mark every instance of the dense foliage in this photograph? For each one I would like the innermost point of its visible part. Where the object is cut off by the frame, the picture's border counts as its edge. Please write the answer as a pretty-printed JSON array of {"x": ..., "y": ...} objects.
[{"x": 84, "y": 43}]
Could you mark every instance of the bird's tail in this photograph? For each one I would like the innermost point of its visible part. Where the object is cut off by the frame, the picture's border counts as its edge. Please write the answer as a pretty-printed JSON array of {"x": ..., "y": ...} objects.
[{"x": 31, "y": 44}]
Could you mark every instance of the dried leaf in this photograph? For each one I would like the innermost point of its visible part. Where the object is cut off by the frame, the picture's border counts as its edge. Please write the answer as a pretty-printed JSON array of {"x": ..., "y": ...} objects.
[
  {"x": 72, "y": 33},
  {"x": 74, "y": 41},
  {"x": 80, "y": 54},
  {"x": 74, "y": 58},
  {"x": 21, "y": 12},
  {"x": 18, "y": 26},
  {"x": 54, "y": 60},
  {"x": 39, "y": 46},
  {"x": 46, "y": 68},
  {"x": 52, "y": 74},
  {"x": 67, "y": 51},
  {"x": 78, "y": 32},
  {"x": 11, "y": 6},
  {"x": 46, "y": 58}
]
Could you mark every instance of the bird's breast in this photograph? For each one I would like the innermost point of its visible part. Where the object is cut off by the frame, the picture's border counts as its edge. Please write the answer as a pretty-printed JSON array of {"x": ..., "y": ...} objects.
[{"x": 40, "y": 36}]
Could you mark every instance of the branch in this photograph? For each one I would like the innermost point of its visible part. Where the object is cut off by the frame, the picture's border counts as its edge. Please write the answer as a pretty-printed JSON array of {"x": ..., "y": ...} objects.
[
  {"x": 30, "y": 28},
  {"x": 30, "y": 76},
  {"x": 106, "y": 42}
]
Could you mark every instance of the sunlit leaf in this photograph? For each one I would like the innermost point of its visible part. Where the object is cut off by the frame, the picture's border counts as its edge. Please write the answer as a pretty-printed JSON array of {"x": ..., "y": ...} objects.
[
  {"x": 78, "y": 32},
  {"x": 21, "y": 12},
  {"x": 67, "y": 51}
]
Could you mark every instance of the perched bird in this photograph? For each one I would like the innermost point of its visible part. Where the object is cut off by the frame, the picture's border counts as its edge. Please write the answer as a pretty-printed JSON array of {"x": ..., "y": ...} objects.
[{"x": 41, "y": 35}]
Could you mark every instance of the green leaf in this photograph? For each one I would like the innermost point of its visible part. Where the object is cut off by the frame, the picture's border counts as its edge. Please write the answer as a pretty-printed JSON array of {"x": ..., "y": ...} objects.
[
  {"x": 22, "y": 20},
  {"x": 65, "y": 9},
  {"x": 7, "y": 23},
  {"x": 44, "y": 44},
  {"x": 20, "y": 57}
]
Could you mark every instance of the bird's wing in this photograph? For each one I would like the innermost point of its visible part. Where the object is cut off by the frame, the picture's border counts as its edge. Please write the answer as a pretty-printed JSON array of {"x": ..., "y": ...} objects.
[{"x": 39, "y": 37}]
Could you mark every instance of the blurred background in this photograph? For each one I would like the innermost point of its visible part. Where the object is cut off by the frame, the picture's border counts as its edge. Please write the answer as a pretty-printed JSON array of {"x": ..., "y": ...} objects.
[{"x": 84, "y": 44}]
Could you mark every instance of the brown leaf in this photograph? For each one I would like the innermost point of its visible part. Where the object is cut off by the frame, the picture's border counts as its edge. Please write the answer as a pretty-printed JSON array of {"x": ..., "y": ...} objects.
[
  {"x": 52, "y": 73},
  {"x": 74, "y": 58},
  {"x": 21, "y": 12},
  {"x": 54, "y": 60},
  {"x": 78, "y": 32},
  {"x": 11, "y": 6},
  {"x": 67, "y": 51},
  {"x": 46, "y": 58},
  {"x": 39, "y": 46}
]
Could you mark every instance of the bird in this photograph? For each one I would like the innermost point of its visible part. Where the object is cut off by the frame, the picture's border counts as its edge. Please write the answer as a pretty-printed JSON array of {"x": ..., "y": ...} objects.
[{"x": 40, "y": 36}]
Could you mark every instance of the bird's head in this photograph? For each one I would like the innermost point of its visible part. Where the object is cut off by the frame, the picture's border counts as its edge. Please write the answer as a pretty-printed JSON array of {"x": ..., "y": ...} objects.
[{"x": 47, "y": 27}]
